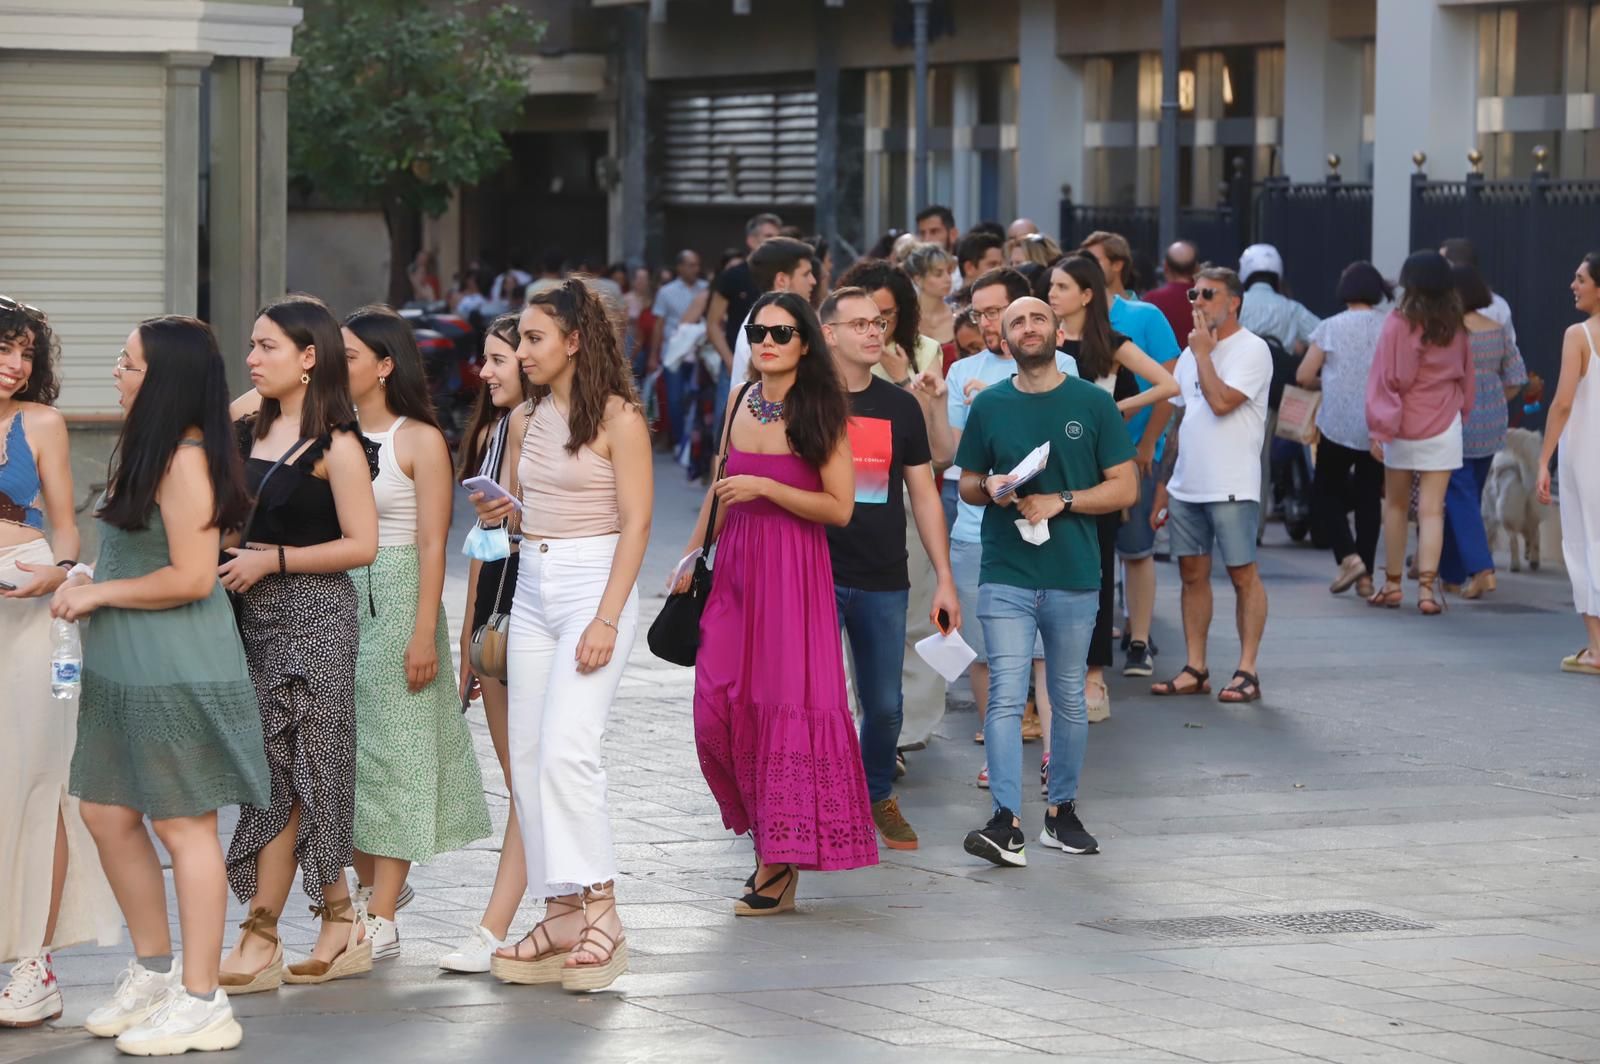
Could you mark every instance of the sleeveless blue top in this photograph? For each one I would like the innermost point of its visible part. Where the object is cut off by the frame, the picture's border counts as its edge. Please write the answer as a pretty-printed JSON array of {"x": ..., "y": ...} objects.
[{"x": 19, "y": 479}]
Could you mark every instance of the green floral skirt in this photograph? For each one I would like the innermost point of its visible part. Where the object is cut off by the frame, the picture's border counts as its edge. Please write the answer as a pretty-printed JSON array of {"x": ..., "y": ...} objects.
[{"x": 418, "y": 789}]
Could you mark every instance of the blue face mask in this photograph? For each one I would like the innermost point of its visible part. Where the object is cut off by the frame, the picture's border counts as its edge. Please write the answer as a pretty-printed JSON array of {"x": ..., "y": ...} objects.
[{"x": 487, "y": 544}]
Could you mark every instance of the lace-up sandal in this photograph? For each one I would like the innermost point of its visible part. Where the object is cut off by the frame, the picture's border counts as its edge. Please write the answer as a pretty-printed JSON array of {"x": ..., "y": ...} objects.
[
  {"x": 355, "y": 958},
  {"x": 611, "y": 952},
  {"x": 545, "y": 964},
  {"x": 263, "y": 924},
  {"x": 1430, "y": 597},
  {"x": 1389, "y": 596},
  {"x": 757, "y": 903}
]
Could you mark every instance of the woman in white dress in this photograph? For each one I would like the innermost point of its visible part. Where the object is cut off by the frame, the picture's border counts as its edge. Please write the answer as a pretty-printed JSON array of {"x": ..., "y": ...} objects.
[{"x": 1575, "y": 423}]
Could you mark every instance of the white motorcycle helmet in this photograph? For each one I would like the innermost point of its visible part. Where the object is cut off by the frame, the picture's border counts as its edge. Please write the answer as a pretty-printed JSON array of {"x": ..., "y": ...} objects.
[{"x": 1260, "y": 258}]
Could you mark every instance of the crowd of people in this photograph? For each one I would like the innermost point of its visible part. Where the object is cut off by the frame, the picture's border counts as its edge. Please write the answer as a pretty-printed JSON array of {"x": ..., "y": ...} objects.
[{"x": 973, "y": 438}]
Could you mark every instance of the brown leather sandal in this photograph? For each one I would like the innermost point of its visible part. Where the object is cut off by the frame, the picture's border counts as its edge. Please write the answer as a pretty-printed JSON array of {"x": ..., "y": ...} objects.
[
  {"x": 596, "y": 942},
  {"x": 263, "y": 924},
  {"x": 1430, "y": 597},
  {"x": 1389, "y": 596},
  {"x": 1167, "y": 688},
  {"x": 545, "y": 964},
  {"x": 355, "y": 958}
]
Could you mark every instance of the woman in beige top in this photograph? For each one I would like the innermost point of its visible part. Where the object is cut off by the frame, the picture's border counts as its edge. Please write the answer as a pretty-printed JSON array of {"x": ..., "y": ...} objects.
[{"x": 584, "y": 481}]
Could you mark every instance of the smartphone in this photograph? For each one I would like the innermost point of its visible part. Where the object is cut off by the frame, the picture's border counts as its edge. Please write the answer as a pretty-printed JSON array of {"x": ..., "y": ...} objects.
[
  {"x": 491, "y": 489},
  {"x": 943, "y": 621},
  {"x": 4, "y": 586}
]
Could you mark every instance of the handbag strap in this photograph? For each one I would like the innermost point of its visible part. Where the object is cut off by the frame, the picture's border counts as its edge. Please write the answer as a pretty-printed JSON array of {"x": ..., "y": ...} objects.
[
  {"x": 500, "y": 590},
  {"x": 244, "y": 529},
  {"x": 722, "y": 465}
]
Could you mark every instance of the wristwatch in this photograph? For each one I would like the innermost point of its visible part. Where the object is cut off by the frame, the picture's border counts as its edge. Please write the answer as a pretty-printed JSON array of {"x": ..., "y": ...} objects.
[{"x": 1066, "y": 501}]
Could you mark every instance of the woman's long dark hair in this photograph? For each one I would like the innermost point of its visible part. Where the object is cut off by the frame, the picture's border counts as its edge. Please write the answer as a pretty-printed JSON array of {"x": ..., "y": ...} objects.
[
  {"x": 185, "y": 386},
  {"x": 873, "y": 274},
  {"x": 599, "y": 371},
  {"x": 307, "y": 322},
  {"x": 1436, "y": 314},
  {"x": 485, "y": 415},
  {"x": 390, "y": 336},
  {"x": 1096, "y": 355},
  {"x": 816, "y": 409}
]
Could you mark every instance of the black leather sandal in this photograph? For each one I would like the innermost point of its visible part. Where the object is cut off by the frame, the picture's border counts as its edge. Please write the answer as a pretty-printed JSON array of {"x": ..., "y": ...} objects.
[
  {"x": 1236, "y": 692},
  {"x": 1170, "y": 687}
]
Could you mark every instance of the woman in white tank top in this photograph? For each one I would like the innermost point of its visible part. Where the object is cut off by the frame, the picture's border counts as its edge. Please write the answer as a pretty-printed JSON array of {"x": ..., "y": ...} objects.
[{"x": 418, "y": 789}]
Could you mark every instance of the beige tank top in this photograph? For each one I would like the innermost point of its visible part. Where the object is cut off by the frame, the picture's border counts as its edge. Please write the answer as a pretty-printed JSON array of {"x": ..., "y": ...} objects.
[{"x": 564, "y": 496}]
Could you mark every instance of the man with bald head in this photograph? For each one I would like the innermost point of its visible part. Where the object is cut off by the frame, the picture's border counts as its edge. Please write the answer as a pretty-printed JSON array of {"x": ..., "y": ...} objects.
[
  {"x": 1040, "y": 574},
  {"x": 1022, "y": 227}
]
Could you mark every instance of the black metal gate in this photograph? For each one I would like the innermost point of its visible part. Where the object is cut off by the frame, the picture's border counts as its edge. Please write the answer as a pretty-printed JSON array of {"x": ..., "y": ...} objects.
[
  {"x": 1529, "y": 236},
  {"x": 1319, "y": 229}
]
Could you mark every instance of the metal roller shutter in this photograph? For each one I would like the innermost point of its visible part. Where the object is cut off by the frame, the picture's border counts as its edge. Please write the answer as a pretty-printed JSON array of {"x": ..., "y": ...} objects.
[
  {"x": 740, "y": 148},
  {"x": 81, "y": 202}
]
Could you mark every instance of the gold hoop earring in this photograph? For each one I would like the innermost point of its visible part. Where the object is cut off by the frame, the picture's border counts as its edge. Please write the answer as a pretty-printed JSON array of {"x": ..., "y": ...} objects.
[{"x": 305, "y": 378}]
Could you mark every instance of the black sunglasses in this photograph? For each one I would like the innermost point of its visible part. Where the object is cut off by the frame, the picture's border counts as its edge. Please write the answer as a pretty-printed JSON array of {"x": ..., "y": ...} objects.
[
  {"x": 780, "y": 333},
  {"x": 1197, "y": 294}
]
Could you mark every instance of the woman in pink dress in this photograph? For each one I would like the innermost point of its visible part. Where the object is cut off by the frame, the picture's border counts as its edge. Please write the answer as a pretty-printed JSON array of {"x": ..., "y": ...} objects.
[{"x": 771, "y": 719}]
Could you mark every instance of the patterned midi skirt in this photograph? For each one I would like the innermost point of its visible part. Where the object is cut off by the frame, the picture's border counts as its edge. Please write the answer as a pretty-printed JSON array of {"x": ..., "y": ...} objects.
[{"x": 301, "y": 638}]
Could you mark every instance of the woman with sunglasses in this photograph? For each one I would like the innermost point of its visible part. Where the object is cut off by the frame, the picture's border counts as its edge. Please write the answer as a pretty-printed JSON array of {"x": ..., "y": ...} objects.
[
  {"x": 585, "y": 484},
  {"x": 491, "y": 587},
  {"x": 52, "y": 893},
  {"x": 314, "y": 520},
  {"x": 772, "y": 723},
  {"x": 168, "y": 726},
  {"x": 418, "y": 789}
]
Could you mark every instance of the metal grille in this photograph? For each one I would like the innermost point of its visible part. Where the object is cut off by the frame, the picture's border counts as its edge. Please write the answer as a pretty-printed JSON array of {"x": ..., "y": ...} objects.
[
  {"x": 751, "y": 148},
  {"x": 1335, "y": 922}
]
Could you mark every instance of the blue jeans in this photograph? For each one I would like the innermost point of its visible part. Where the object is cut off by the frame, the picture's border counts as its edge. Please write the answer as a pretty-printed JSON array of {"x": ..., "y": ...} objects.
[
  {"x": 875, "y": 624},
  {"x": 680, "y": 394},
  {"x": 1013, "y": 617},
  {"x": 1466, "y": 543}
]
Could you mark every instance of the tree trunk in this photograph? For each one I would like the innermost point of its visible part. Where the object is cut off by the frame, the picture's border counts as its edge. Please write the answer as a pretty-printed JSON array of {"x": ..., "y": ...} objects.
[{"x": 405, "y": 238}]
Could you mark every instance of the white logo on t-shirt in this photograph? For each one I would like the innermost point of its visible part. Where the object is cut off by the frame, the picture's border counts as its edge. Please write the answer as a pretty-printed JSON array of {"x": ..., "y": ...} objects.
[{"x": 1074, "y": 430}]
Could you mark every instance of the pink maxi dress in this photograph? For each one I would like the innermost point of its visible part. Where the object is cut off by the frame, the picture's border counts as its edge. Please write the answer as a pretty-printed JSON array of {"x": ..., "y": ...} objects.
[{"x": 772, "y": 722}]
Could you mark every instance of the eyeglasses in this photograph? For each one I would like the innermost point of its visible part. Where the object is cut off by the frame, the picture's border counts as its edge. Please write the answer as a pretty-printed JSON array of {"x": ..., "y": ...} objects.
[
  {"x": 975, "y": 315},
  {"x": 1197, "y": 294},
  {"x": 124, "y": 364},
  {"x": 859, "y": 326},
  {"x": 780, "y": 333}
]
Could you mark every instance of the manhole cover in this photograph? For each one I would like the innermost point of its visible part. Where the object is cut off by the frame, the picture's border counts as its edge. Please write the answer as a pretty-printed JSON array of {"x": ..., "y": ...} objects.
[{"x": 1337, "y": 922}]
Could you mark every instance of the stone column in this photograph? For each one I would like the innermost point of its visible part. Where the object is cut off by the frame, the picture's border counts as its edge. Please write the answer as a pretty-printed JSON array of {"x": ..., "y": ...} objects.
[
  {"x": 1321, "y": 93},
  {"x": 272, "y": 176},
  {"x": 1050, "y": 118},
  {"x": 235, "y": 210},
  {"x": 963, "y": 159},
  {"x": 633, "y": 88},
  {"x": 181, "y": 193},
  {"x": 1427, "y": 68}
]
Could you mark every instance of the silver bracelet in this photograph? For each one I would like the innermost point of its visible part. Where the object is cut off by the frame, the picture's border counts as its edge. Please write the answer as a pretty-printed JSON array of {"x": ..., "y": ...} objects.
[{"x": 605, "y": 622}]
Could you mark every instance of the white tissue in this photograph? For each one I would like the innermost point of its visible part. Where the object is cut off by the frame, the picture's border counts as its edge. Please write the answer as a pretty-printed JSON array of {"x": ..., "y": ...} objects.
[
  {"x": 947, "y": 655},
  {"x": 1035, "y": 534}
]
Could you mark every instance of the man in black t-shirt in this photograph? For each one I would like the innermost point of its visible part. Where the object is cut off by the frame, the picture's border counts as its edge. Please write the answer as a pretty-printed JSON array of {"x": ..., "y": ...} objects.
[{"x": 889, "y": 446}]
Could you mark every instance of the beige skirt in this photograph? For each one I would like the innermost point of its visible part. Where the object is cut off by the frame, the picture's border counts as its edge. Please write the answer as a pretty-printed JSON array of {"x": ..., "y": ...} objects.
[{"x": 34, "y": 758}]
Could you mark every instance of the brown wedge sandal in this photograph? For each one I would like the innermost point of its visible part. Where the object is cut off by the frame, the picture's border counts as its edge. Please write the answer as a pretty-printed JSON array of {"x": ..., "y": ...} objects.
[
  {"x": 1169, "y": 688},
  {"x": 262, "y": 924},
  {"x": 355, "y": 958},
  {"x": 612, "y": 952},
  {"x": 545, "y": 965}
]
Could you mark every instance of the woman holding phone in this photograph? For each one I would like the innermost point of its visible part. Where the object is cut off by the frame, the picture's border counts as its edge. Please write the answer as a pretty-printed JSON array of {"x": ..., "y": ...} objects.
[
  {"x": 772, "y": 721},
  {"x": 584, "y": 478}
]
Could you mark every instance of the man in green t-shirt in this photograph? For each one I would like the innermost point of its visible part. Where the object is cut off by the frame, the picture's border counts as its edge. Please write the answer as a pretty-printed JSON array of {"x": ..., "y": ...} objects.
[{"x": 1044, "y": 581}]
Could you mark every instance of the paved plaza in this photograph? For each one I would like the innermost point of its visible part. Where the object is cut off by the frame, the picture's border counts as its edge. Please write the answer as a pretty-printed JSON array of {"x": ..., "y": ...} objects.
[{"x": 1393, "y": 858}]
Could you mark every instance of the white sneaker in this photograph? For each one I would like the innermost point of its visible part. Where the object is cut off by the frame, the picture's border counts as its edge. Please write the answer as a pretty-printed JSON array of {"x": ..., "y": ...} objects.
[
  {"x": 183, "y": 1022},
  {"x": 385, "y": 937},
  {"x": 138, "y": 993},
  {"x": 474, "y": 954},
  {"x": 363, "y": 895},
  {"x": 32, "y": 996}
]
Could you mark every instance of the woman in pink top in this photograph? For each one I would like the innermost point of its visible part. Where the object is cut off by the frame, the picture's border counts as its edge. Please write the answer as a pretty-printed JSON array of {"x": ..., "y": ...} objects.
[{"x": 1419, "y": 390}]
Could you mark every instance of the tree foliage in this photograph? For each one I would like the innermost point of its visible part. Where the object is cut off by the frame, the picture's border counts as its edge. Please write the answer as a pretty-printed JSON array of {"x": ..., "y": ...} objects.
[{"x": 397, "y": 102}]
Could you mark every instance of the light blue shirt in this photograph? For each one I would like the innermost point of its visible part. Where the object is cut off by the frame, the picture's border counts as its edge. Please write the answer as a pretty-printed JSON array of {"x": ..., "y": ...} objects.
[
  {"x": 989, "y": 368},
  {"x": 1148, "y": 328},
  {"x": 1267, "y": 313}
]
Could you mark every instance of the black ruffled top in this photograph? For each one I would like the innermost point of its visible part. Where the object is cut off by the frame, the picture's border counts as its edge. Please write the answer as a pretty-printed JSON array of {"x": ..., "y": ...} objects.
[{"x": 296, "y": 507}]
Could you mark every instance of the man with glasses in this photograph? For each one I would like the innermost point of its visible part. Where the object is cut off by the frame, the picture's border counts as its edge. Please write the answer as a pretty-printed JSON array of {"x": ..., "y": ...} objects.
[
  {"x": 1214, "y": 497},
  {"x": 889, "y": 445},
  {"x": 991, "y": 294},
  {"x": 1040, "y": 578}
]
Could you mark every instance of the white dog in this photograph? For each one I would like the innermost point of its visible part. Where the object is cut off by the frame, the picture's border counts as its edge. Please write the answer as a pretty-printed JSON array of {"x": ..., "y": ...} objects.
[{"x": 1509, "y": 502}]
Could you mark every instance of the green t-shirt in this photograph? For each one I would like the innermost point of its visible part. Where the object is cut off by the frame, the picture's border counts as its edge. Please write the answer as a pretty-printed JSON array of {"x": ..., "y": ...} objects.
[{"x": 1086, "y": 436}]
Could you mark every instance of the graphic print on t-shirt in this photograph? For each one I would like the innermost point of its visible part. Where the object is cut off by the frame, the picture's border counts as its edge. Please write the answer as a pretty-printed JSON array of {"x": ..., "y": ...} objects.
[{"x": 872, "y": 448}]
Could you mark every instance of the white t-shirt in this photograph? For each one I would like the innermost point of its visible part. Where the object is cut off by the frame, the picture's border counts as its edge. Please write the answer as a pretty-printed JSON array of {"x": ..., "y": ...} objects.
[
  {"x": 741, "y": 353},
  {"x": 1219, "y": 458}
]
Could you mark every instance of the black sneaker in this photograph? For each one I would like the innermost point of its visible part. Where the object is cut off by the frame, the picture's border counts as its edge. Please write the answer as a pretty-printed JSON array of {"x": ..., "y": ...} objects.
[
  {"x": 1141, "y": 660},
  {"x": 1064, "y": 831},
  {"x": 999, "y": 842}
]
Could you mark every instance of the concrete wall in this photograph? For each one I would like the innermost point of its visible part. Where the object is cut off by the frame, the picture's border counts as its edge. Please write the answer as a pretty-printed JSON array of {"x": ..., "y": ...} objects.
[{"x": 340, "y": 256}]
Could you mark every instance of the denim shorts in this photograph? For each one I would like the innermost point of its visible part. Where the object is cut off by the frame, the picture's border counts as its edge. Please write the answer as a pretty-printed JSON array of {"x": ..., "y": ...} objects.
[
  {"x": 966, "y": 561},
  {"x": 1231, "y": 526},
  {"x": 1136, "y": 539}
]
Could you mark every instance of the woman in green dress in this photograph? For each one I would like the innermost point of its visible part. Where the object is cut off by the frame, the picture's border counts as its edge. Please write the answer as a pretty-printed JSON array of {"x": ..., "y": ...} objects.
[
  {"x": 168, "y": 723},
  {"x": 418, "y": 789}
]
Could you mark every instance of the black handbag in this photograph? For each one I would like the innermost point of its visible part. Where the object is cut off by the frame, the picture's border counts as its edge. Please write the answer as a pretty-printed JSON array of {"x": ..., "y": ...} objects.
[{"x": 675, "y": 633}]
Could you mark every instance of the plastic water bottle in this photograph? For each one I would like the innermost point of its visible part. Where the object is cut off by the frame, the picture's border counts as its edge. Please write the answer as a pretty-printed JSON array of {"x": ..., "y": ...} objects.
[{"x": 66, "y": 660}]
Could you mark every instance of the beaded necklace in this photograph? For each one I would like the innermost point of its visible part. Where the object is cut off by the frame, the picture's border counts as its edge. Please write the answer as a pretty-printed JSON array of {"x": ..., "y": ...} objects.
[{"x": 763, "y": 410}]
